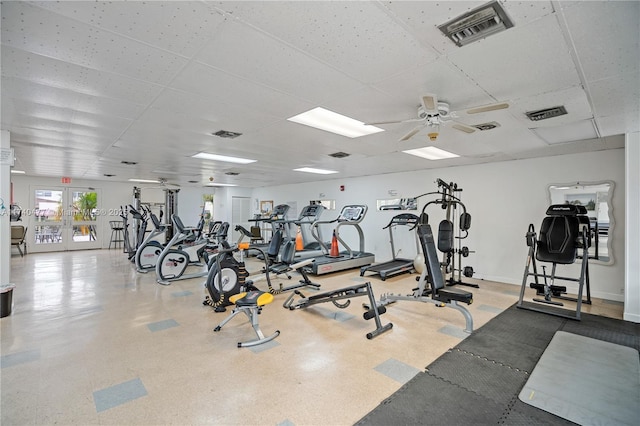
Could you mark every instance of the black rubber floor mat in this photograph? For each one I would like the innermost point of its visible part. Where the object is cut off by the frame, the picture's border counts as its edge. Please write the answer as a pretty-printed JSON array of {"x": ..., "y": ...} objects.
[
  {"x": 519, "y": 413},
  {"x": 493, "y": 380},
  {"x": 429, "y": 400},
  {"x": 465, "y": 387}
]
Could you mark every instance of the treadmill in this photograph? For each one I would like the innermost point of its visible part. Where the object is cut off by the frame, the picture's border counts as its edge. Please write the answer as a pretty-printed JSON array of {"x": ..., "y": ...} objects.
[
  {"x": 396, "y": 265},
  {"x": 312, "y": 248},
  {"x": 350, "y": 215}
]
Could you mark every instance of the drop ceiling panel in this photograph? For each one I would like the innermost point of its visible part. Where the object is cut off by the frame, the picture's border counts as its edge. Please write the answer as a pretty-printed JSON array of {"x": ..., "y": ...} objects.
[
  {"x": 206, "y": 81},
  {"x": 574, "y": 99},
  {"x": 177, "y": 26},
  {"x": 617, "y": 95},
  {"x": 232, "y": 116},
  {"x": 259, "y": 57},
  {"x": 36, "y": 30},
  {"x": 355, "y": 37},
  {"x": 515, "y": 63},
  {"x": 607, "y": 53},
  {"x": 65, "y": 75}
]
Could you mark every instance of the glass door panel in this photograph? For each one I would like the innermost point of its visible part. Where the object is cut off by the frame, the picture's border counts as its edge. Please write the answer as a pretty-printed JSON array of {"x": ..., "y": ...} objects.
[{"x": 64, "y": 219}]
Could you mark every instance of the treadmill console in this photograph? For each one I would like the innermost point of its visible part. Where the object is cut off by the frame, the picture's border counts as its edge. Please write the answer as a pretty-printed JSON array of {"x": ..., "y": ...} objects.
[
  {"x": 352, "y": 213},
  {"x": 312, "y": 210}
]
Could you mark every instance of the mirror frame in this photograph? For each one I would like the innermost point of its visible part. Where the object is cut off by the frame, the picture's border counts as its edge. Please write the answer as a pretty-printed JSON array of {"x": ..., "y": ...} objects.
[{"x": 610, "y": 212}]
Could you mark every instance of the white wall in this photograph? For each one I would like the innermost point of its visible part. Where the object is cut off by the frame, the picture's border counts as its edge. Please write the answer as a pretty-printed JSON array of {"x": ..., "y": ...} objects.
[
  {"x": 502, "y": 198},
  {"x": 632, "y": 243}
]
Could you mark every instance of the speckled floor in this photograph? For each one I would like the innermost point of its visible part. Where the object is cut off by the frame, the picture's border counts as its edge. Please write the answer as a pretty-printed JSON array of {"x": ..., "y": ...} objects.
[{"x": 90, "y": 341}]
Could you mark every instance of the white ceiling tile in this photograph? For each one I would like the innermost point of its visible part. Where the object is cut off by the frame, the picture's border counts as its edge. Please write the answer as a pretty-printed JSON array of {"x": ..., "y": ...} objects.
[
  {"x": 267, "y": 61},
  {"x": 520, "y": 62},
  {"x": 355, "y": 37},
  {"x": 612, "y": 47},
  {"x": 178, "y": 26},
  {"x": 54, "y": 36},
  {"x": 206, "y": 81},
  {"x": 65, "y": 75}
]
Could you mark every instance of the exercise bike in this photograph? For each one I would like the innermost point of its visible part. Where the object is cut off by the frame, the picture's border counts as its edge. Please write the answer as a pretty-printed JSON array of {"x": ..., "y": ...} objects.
[{"x": 183, "y": 250}]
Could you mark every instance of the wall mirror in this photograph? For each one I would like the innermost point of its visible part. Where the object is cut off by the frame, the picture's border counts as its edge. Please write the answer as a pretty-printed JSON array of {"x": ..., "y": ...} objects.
[
  {"x": 397, "y": 204},
  {"x": 596, "y": 197}
]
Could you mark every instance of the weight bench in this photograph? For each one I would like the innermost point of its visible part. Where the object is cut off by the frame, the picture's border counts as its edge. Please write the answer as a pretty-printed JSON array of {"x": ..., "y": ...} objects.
[
  {"x": 564, "y": 232},
  {"x": 250, "y": 303},
  {"x": 335, "y": 296},
  {"x": 438, "y": 294}
]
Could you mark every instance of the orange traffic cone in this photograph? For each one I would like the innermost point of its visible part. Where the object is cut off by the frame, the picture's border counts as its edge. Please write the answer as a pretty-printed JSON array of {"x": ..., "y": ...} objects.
[
  {"x": 335, "y": 251},
  {"x": 299, "y": 242}
]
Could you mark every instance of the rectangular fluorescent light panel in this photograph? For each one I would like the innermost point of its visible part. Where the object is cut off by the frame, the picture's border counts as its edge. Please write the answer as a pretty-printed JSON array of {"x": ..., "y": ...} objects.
[
  {"x": 220, "y": 184},
  {"x": 144, "y": 180},
  {"x": 312, "y": 170},
  {"x": 216, "y": 157},
  {"x": 431, "y": 153},
  {"x": 18, "y": 172},
  {"x": 333, "y": 122}
]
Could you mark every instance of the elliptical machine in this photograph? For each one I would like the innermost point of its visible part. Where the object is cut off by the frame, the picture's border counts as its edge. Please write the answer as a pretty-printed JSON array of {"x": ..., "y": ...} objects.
[
  {"x": 183, "y": 250},
  {"x": 149, "y": 251}
]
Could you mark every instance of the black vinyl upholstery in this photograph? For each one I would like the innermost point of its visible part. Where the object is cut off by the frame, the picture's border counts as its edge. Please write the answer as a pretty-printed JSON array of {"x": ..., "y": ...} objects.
[{"x": 558, "y": 241}]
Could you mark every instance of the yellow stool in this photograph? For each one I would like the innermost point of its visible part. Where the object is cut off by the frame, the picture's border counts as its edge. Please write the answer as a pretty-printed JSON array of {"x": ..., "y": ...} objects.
[{"x": 251, "y": 304}]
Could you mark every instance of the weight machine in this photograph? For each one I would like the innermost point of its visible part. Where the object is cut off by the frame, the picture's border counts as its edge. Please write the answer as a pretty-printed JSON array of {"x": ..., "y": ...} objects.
[{"x": 448, "y": 233}]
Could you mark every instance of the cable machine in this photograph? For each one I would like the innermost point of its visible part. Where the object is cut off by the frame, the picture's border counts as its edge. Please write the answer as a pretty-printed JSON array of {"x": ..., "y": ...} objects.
[{"x": 454, "y": 227}]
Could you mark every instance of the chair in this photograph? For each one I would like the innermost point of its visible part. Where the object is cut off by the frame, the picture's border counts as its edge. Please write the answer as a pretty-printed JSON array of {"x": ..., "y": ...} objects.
[
  {"x": 18, "y": 235},
  {"x": 256, "y": 235},
  {"x": 117, "y": 232}
]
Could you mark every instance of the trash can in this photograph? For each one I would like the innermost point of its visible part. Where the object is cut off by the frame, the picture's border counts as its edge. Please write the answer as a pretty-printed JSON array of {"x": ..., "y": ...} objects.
[{"x": 6, "y": 298}]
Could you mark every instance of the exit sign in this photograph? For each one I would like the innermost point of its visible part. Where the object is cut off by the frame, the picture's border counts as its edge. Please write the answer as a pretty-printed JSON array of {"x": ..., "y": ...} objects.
[{"x": 66, "y": 180}]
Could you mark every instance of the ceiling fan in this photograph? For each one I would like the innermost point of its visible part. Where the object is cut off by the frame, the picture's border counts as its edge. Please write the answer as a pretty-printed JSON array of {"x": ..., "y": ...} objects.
[{"x": 432, "y": 114}]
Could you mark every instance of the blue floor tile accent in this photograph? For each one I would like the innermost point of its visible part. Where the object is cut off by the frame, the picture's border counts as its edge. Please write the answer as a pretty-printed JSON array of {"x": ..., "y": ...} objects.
[
  {"x": 162, "y": 325},
  {"x": 397, "y": 370},
  {"x": 286, "y": 422},
  {"x": 119, "y": 394},
  {"x": 454, "y": 331},
  {"x": 334, "y": 315},
  {"x": 182, "y": 293},
  {"x": 19, "y": 358},
  {"x": 489, "y": 308}
]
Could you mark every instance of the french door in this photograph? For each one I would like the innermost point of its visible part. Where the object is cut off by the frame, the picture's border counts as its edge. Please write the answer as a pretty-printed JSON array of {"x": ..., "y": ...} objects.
[{"x": 64, "y": 218}]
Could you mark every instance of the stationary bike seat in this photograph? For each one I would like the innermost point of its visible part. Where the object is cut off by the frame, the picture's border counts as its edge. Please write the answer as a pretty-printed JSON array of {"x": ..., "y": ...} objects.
[{"x": 251, "y": 298}]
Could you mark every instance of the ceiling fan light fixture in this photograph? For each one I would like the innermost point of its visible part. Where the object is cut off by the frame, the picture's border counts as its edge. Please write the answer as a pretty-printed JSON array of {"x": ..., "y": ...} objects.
[{"x": 333, "y": 122}]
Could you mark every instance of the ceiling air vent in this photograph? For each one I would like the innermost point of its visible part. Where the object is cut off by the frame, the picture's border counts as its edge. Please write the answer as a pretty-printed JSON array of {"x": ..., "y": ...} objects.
[
  {"x": 487, "y": 126},
  {"x": 232, "y": 173},
  {"x": 339, "y": 155},
  {"x": 543, "y": 114},
  {"x": 226, "y": 134},
  {"x": 476, "y": 24}
]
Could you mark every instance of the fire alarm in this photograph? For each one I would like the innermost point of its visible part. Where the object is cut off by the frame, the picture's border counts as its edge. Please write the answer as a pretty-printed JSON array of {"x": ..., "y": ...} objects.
[{"x": 341, "y": 187}]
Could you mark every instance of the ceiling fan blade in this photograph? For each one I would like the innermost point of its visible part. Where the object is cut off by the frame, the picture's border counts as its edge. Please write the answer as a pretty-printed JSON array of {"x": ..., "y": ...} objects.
[
  {"x": 411, "y": 133},
  {"x": 410, "y": 120},
  {"x": 462, "y": 127},
  {"x": 486, "y": 108},
  {"x": 430, "y": 103}
]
